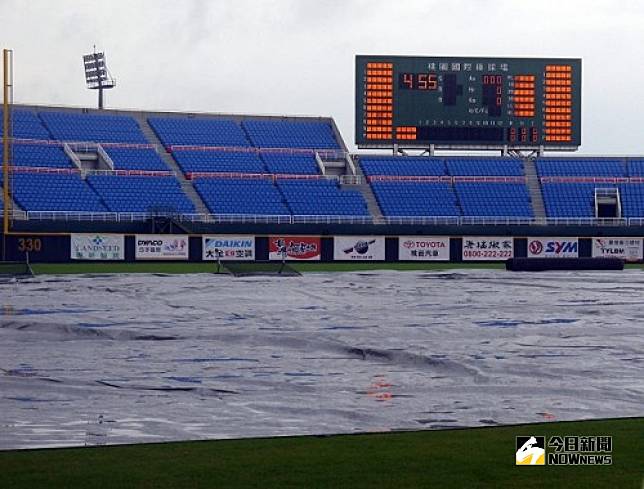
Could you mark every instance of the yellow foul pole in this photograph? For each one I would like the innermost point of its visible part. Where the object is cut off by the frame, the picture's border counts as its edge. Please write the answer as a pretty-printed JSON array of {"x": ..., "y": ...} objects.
[{"x": 6, "y": 138}]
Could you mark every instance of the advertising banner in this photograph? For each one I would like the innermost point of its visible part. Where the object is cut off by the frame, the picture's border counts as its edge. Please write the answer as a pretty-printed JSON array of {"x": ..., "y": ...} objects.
[
  {"x": 483, "y": 248},
  {"x": 429, "y": 248},
  {"x": 161, "y": 247},
  {"x": 239, "y": 248},
  {"x": 359, "y": 248},
  {"x": 97, "y": 247},
  {"x": 553, "y": 248},
  {"x": 629, "y": 249},
  {"x": 294, "y": 248}
]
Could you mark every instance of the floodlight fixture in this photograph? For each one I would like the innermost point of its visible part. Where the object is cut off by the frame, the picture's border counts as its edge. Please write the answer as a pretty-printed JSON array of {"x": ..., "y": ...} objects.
[{"x": 97, "y": 76}]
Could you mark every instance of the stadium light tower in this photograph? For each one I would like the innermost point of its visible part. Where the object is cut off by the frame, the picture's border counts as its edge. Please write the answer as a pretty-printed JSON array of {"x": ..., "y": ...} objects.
[{"x": 97, "y": 76}]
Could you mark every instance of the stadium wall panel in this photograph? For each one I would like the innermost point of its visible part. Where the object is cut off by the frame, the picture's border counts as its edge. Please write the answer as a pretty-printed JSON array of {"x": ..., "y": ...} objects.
[{"x": 57, "y": 248}]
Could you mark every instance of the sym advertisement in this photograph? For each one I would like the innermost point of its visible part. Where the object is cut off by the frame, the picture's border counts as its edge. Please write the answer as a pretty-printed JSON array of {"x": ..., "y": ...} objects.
[
  {"x": 359, "y": 248},
  {"x": 97, "y": 247},
  {"x": 239, "y": 248},
  {"x": 553, "y": 248},
  {"x": 482, "y": 248},
  {"x": 629, "y": 249},
  {"x": 430, "y": 248},
  {"x": 294, "y": 248},
  {"x": 161, "y": 247}
]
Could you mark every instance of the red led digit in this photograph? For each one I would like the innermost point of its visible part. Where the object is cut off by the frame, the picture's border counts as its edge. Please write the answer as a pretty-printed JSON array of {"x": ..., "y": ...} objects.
[
  {"x": 408, "y": 79},
  {"x": 422, "y": 81},
  {"x": 432, "y": 82}
]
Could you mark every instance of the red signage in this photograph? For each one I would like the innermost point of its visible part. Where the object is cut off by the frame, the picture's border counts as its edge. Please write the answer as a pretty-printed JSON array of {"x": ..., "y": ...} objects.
[{"x": 294, "y": 248}]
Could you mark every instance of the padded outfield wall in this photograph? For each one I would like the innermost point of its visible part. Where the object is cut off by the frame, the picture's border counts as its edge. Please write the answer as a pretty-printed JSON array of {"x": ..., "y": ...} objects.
[{"x": 332, "y": 243}]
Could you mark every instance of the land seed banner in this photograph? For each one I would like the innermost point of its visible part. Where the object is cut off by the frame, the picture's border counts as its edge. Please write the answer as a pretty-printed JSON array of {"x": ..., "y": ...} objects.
[
  {"x": 100, "y": 247},
  {"x": 629, "y": 249}
]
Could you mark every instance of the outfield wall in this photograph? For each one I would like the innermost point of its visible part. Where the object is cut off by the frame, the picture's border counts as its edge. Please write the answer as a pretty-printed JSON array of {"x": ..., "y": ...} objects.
[{"x": 84, "y": 247}]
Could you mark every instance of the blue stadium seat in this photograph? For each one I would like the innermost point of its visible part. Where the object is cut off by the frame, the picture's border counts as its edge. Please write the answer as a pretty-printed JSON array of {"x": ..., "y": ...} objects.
[
  {"x": 136, "y": 159},
  {"x": 632, "y": 199},
  {"x": 580, "y": 167},
  {"x": 484, "y": 167},
  {"x": 322, "y": 197},
  {"x": 483, "y": 199},
  {"x": 277, "y": 133},
  {"x": 635, "y": 168},
  {"x": 73, "y": 126},
  {"x": 25, "y": 125},
  {"x": 54, "y": 192},
  {"x": 403, "y": 166},
  {"x": 219, "y": 161},
  {"x": 198, "y": 132},
  {"x": 141, "y": 193},
  {"x": 294, "y": 163},
  {"x": 255, "y": 196},
  {"x": 569, "y": 199},
  {"x": 404, "y": 198},
  {"x": 39, "y": 155}
]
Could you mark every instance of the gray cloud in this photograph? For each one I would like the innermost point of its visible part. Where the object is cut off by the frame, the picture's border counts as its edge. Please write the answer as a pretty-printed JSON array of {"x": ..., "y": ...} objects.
[{"x": 297, "y": 56}]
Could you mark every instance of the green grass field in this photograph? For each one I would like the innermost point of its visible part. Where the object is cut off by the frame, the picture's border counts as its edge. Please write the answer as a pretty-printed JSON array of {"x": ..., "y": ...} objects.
[
  {"x": 473, "y": 458},
  {"x": 187, "y": 267}
]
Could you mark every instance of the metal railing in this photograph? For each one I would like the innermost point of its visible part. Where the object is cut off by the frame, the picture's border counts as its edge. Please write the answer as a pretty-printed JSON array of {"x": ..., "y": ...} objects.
[{"x": 76, "y": 216}]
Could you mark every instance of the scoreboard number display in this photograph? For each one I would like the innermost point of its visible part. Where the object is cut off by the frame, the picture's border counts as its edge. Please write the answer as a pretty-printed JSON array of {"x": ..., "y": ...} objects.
[{"x": 450, "y": 102}]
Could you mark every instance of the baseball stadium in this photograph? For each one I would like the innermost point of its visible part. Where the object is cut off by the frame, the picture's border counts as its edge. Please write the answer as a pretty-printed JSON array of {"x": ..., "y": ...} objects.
[{"x": 203, "y": 299}]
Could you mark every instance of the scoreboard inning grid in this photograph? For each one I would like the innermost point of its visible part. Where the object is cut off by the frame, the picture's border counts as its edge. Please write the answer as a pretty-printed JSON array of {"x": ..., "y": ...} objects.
[{"x": 487, "y": 103}]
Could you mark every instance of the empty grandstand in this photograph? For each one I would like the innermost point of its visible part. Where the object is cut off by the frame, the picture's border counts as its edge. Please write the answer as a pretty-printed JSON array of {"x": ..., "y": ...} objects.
[{"x": 209, "y": 167}]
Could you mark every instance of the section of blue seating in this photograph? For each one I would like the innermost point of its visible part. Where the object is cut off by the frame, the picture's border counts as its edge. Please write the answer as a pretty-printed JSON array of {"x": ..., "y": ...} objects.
[
  {"x": 241, "y": 196},
  {"x": 25, "y": 124},
  {"x": 219, "y": 161},
  {"x": 403, "y": 166},
  {"x": 54, "y": 192},
  {"x": 321, "y": 197},
  {"x": 484, "y": 167},
  {"x": 494, "y": 199},
  {"x": 198, "y": 132},
  {"x": 136, "y": 159},
  {"x": 72, "y": 126},
  {"x": 291, "y": 163},
  {"x": 39, "y": 155},
  {"x": 141, "y": 193},
  {"x": 278, "y": 133},
  {"x": 405, "y": 198},
  {"x": 632, "y": 199},
  {"x": 580, "y": 167},
  {"x": 569, "y": 199}
]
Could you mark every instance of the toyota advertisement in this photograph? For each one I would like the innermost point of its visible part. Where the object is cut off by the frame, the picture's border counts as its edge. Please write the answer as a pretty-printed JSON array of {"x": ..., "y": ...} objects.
[
  {"x": 294, "y": 248},
  {"x": 423, "y": 248},
  {"x": 553, "y": 248},
  {"x": 359, "y": 248}
]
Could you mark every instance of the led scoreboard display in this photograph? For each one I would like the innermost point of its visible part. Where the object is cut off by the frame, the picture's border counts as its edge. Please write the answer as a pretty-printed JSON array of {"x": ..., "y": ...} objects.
[{"x": 483, "y": 102}]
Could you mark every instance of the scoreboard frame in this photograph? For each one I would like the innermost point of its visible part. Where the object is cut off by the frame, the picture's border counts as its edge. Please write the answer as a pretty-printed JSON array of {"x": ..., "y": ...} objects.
[{"x": 467, "y": 103}]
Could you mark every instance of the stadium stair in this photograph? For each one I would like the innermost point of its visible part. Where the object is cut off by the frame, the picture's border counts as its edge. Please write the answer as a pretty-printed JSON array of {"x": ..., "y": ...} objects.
[
  {"x": 367, "y": 192},
  {"x": 186, "y": 185},
  {"x": 534, "y": 188}
]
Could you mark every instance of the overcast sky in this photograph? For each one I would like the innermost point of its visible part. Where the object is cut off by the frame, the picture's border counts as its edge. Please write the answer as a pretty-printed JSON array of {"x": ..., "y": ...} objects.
[{"x": 296, "y": 57}]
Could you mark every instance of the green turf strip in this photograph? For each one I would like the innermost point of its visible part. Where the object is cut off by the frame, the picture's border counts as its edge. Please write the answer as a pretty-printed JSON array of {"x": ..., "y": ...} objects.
[
  {"x": 210, "y": 267},
  {"x": 473, "y": 458}
]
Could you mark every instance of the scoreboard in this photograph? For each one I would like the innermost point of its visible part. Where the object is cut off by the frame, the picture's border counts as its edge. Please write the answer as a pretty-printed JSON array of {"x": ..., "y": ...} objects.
[{"x": 485, "y": 103}]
